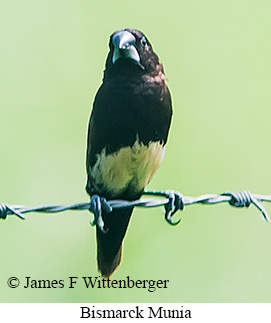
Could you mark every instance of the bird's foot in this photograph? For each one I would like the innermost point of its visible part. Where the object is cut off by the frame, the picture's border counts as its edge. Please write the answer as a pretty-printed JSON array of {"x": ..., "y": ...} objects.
[
  {"x": 97, "y": 206},
  {"x": 175, "y": 203}
]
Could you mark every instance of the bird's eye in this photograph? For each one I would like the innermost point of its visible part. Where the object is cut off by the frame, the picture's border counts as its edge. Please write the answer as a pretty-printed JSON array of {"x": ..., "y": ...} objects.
[{"x": 143, "y": 42}]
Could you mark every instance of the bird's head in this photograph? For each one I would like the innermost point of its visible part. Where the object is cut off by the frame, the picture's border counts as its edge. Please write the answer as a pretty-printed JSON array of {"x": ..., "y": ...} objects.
[{"x": 130, "y": 47}]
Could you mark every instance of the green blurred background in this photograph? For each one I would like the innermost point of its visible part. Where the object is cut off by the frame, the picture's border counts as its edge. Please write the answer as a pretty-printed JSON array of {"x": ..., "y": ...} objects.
[{"x": 216, "y": 56}]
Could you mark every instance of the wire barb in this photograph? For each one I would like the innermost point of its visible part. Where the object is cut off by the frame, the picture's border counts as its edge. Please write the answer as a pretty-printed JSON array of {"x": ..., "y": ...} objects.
[
  {"x": 244, "y": 199},
  {"x": 6, "y": 209},
  {"x": 172, "y": 201}
]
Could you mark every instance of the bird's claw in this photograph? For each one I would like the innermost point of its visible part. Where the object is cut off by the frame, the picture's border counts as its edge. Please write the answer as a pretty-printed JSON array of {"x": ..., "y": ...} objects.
[
  {"x": 97, "y": 205},
  {"x": 175, "y": 203}
]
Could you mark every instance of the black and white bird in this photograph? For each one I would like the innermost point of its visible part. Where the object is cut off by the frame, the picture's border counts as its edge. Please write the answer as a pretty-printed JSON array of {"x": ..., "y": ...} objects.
[{"x": 128, "y": 131}]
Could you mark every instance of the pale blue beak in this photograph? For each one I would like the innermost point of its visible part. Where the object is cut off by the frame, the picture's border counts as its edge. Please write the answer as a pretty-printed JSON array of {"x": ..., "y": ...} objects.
[{"x": 124, "y": 46}]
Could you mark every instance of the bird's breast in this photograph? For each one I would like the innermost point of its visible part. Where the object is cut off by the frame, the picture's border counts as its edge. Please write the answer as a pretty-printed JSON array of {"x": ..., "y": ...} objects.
[{"x": 127, "y": 170}]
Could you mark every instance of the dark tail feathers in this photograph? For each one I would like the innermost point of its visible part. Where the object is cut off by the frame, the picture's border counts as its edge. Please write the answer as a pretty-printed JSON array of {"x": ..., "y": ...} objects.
[{"x": 109, "y": 245}]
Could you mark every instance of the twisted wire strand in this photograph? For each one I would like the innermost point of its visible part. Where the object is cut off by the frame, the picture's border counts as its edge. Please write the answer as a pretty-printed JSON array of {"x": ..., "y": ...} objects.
[{"x": 236, "y": 199}]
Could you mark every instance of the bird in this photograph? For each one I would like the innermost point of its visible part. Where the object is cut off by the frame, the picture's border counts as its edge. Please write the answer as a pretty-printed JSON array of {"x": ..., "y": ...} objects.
[{"x": 127, "y": 133}]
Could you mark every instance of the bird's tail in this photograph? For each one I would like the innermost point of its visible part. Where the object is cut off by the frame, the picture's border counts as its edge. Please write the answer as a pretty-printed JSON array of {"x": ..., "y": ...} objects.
[{"x": 109, "y": 244}]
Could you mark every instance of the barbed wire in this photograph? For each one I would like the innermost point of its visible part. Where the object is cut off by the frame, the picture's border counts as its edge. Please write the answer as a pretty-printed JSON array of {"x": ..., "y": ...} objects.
[{"x": 172, "y": 201}]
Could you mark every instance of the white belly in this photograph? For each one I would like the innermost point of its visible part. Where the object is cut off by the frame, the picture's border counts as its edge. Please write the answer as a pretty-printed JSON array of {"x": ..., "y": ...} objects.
[{"x": 131, "y": 167}]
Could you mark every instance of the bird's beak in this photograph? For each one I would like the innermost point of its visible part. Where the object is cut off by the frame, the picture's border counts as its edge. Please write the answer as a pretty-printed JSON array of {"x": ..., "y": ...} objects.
[{"x": 124, "y": 46}]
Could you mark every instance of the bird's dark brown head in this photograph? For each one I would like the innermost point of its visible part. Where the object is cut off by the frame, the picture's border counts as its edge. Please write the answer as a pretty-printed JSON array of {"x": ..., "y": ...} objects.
[{"x": 130, "y": 48}]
